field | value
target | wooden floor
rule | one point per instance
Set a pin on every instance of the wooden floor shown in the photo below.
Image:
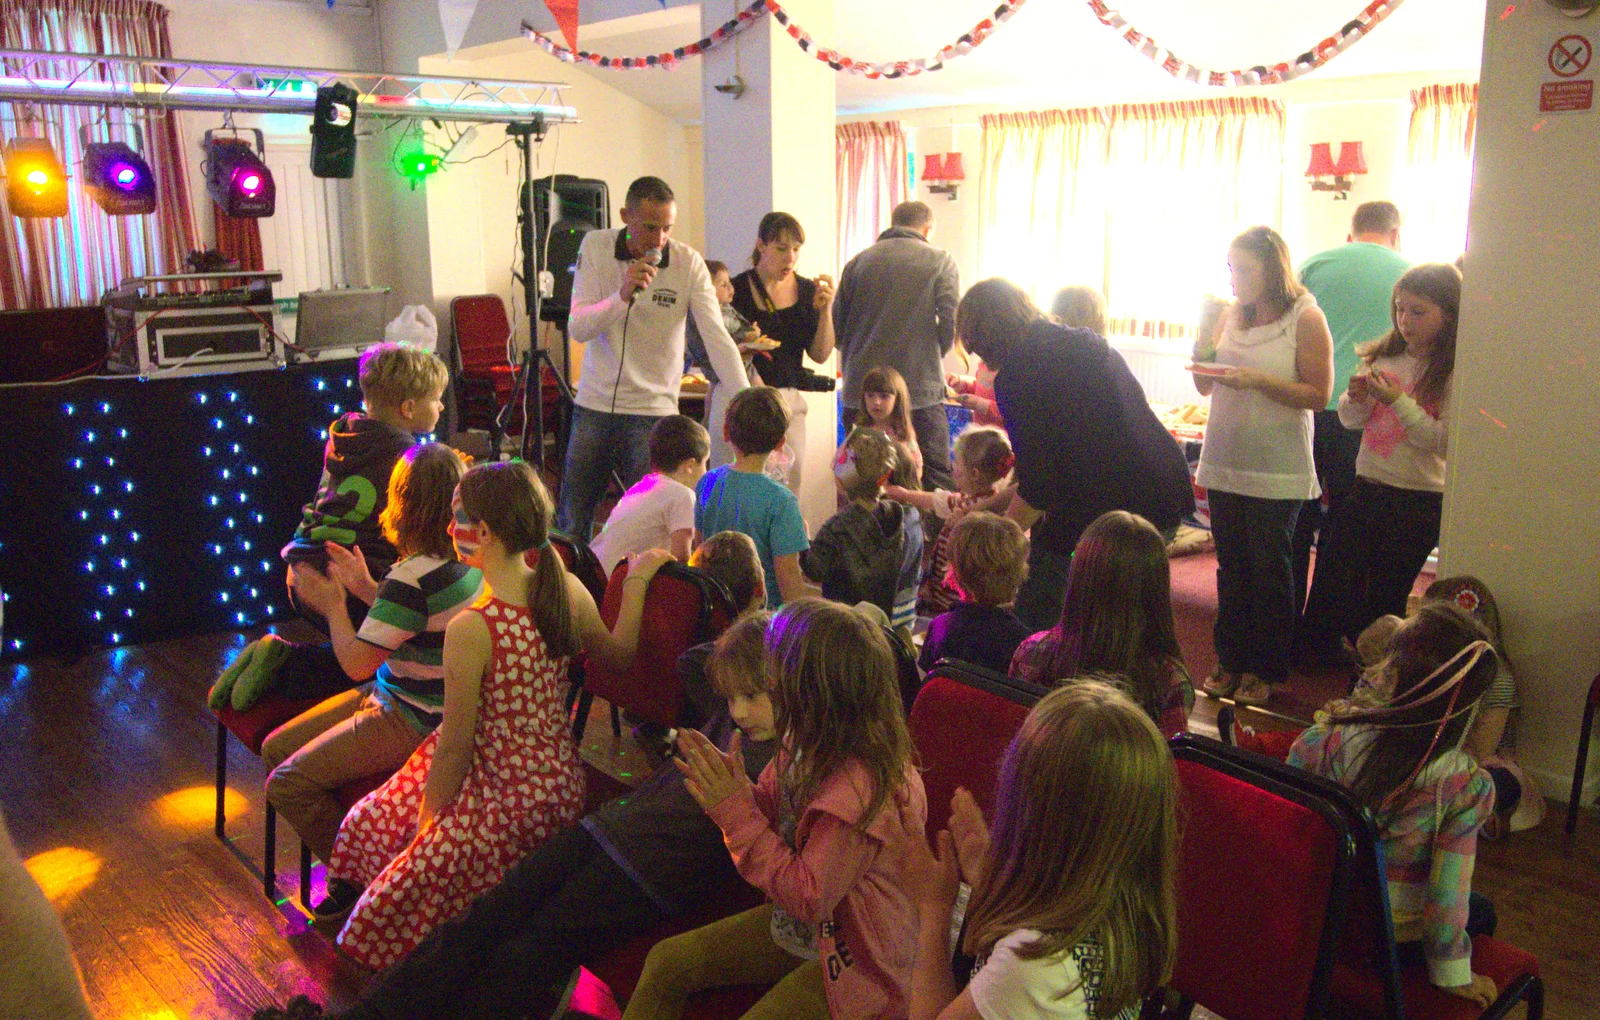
(105, 777)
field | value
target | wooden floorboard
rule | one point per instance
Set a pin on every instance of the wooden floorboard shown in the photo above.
(105, 776)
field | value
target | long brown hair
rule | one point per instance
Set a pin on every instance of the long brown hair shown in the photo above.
(1282, 289)
(992, 315)
(884, 379)
(1084, 841)
(1117, 613)
(1441, 647)
(508, 498)
(773, 226)
(1438, 284)
(835, 698)
(416, 518)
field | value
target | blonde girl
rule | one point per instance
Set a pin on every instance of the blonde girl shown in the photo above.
(1072, 912)
(823, 833)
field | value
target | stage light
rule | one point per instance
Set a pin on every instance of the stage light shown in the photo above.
(36, 182)
(417, 166)
(118, 179)
(333, 132)
(236, 178)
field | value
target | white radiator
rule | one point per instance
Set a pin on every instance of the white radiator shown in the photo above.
(1159, 369)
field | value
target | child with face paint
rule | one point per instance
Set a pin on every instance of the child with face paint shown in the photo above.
(501, 773)
(871, 550)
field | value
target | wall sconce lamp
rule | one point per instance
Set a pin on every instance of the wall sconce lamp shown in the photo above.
(1351, 162)
(943, 173)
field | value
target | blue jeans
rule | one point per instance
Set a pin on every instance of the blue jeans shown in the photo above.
(600, 443)
(1255, 583)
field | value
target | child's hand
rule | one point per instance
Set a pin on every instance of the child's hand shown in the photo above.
(348, 565)
(316, 589)
(1383, 387)
(711, 776)
(932, 881)
(970, 833)
(1481, 991)
(645, 565)
(1241, 379)
(1358, 389)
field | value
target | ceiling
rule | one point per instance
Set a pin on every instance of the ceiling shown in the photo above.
(1055, 52)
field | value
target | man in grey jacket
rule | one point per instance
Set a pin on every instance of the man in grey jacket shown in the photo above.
(896, 306)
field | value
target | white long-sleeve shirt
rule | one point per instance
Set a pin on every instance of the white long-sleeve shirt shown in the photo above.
(1402, 444)
(651, 355)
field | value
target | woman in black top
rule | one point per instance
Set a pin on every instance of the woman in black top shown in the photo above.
(794, 311)
(1083, 434)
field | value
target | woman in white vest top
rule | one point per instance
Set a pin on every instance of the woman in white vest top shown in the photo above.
(1270, 368)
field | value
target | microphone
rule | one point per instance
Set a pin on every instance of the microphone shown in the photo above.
(651, 257)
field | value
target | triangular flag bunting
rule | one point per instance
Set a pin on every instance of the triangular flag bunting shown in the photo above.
(566, 15)
(454, 17)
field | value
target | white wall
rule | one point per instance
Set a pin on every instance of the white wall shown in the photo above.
(471, 207)
(1522, 505)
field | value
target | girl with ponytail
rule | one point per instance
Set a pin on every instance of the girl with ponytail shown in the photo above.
(1398, 746)
(501, 773)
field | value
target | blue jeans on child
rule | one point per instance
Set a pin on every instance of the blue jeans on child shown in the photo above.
(599, 443)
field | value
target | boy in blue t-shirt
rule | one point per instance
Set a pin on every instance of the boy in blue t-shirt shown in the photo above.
(740, 497)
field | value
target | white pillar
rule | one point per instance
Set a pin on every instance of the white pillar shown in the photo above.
(772, 149)
(1522, 507)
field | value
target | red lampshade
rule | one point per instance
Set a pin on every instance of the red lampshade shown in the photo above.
(1351, 159)
(952, 167)
(1321, 160)
(933, 167)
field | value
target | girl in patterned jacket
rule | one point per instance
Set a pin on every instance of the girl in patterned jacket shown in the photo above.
(501, 773)
(1398, 746)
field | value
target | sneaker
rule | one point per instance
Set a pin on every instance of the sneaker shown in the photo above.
(1252, 690)
(1220, 683)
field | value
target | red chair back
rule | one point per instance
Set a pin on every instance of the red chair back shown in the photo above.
(582, 562)
(1265, 866)
(961, 723)
(481, 330)
(682, 608)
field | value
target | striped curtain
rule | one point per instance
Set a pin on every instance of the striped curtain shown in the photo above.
(73, 260)
(1139, 201)
(869, 181)
(1436, 183)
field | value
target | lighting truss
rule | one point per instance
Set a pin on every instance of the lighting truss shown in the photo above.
(91, 79)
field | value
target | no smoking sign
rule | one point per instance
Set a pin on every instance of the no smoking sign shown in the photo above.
(1569, 57)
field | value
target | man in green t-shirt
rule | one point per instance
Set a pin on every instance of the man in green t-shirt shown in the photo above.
(1354, 285)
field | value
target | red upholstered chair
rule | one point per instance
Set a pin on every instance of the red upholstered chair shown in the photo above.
(961, 723)
(484, 377)
(581, 561)
(252, 729)
(1583, 754)
(683, 607)
(1265, 866)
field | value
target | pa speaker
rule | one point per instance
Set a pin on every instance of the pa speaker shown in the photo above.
(565, 208)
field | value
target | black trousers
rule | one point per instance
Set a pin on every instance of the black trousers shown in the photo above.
(1382, 543)
(1254, 632)
(1333, 451)
(562, 903)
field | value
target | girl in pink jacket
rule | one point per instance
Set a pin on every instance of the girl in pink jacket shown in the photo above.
(824, 833)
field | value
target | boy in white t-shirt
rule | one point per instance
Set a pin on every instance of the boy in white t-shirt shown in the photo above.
(658, 512)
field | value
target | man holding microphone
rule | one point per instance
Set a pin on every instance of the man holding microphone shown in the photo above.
(633, 289)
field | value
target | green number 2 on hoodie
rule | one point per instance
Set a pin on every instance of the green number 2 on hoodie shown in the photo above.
(330, 530)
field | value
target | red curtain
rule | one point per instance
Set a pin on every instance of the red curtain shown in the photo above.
(239, 239)
(869, 181)
(47, 263)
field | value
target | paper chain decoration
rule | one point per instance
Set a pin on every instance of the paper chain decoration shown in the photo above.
(1306, 62)
(1164, 58)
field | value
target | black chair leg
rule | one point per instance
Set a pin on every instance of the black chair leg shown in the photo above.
(305, 876)
(616, 722)
(221, 780)
(269, 858)
(1578, 768)
(580, 722)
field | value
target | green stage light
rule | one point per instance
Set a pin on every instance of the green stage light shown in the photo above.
(417, 166)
